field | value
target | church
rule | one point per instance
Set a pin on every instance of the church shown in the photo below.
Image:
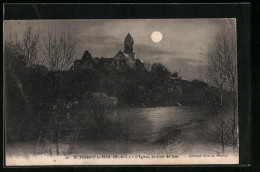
(121, 61)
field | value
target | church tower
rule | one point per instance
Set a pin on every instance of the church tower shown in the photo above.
(129, 46)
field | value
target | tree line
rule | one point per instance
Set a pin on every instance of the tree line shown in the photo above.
(54, 49)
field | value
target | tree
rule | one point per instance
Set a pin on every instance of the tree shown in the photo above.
(30, 44)
(14, 64)
(160, 70)
(13, 52)
(58, 50)
(222, 74)
(231, 75)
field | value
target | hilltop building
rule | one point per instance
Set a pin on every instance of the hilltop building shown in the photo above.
(122, 60)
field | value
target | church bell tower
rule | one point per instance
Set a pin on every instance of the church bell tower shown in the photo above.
(129, 46)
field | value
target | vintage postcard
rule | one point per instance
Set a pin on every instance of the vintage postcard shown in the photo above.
(121, 92)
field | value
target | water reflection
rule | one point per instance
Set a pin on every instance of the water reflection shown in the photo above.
(147, 130)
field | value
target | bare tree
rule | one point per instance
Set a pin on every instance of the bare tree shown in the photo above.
(218, 131)
(222, 73)
(25, 47)
(30, 44)
(231, 75)
(13, 51)
(58, 50)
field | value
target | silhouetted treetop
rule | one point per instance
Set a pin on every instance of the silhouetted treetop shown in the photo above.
(159, 69)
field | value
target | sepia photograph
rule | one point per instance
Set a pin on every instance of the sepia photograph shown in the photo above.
(120, 92)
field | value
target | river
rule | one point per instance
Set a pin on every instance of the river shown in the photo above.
(144, 130)
(154, 130)
(131, 132)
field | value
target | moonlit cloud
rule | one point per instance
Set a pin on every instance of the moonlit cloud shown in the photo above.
(184, 45)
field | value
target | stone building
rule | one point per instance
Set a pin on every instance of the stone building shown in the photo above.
(122, 60)
(85, 63)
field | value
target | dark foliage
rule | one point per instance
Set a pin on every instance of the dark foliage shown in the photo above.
(32, 93)
(36, 86)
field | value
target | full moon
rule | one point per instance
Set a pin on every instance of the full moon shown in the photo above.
(156, 36)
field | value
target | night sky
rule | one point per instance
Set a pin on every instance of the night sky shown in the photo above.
(184, 45)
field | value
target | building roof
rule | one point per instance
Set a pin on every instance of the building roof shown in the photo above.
(127, 55)
(120, 52)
